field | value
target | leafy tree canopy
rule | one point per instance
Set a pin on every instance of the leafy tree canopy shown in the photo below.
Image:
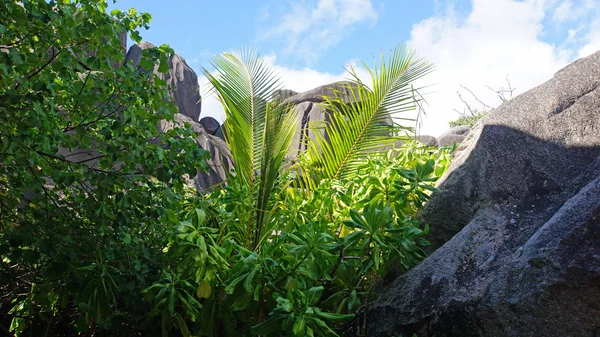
(84, 193)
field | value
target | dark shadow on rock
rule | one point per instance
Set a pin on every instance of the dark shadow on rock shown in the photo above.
(519, 238)
(492, 175)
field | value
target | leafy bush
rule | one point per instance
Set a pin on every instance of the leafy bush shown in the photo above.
(116, 244)
(326, 256)
(468, 119)
(82, 237)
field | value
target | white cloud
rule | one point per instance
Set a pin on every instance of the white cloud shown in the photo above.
(569, 11)
(564, 11)
(299, 80)
(498, 38)
(310, 28)
(592, 39)
(586, 15)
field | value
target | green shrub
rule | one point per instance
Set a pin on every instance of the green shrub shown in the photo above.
(468, 120)
(123, 248)
(79, 242)
(325, 257)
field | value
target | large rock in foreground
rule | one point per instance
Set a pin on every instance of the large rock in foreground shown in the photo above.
(518, 222)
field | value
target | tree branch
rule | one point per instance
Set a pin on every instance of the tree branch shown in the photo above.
(54, 55)
(474, 96)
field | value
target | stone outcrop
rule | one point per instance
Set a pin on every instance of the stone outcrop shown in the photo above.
(450, 140)
(220, 133)
(317, 94)
(307, 104)
(430, 141)
(181, 79)
(210, 124)
(454, 135)
(309, 111)
(516, 225)
(283, 94)
(184, 90)
(462, 130)
(220, 162)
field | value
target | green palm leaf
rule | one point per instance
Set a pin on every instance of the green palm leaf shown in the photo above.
(258, 133)
(280, 128)
(244, 84)
(355, 129)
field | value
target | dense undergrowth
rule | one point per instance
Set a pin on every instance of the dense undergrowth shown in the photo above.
(113, 243)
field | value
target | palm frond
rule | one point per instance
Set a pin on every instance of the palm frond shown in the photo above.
(258, 133)
(244, 84)
(280, 128)
(358, 119)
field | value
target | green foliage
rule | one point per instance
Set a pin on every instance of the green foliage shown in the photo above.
(258, 132)
(112, 243)
(81, 235)
(468, 119)
(326, 255)
(355, 131)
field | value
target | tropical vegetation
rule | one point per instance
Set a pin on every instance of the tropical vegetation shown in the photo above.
(101, 236)
(468, 119)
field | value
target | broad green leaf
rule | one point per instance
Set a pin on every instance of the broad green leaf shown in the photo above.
(269, 326)
(314, 294)
(203, 289)
(299, 326)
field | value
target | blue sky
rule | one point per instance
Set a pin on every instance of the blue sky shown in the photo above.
(473, 43)
(197, 29)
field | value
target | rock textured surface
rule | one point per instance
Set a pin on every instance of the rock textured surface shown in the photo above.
(454, 135)
(516, 224)
(210, 124)
(450, 140)
(181, 79)
(283, 94)
(310, 111)
(462, 130)
(427, 140)
(184, 89)
(221, 161)
(220, 133)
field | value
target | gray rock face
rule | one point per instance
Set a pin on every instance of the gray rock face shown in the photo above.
(310, 111)
(518, 223)
(450, 139)
(316, 95)
(181, 79)
(457, 130)
(210, 124)
(220, 133)
(221, 161)
(283, 94)
(454, 135)
(427, 140)
(183, 85)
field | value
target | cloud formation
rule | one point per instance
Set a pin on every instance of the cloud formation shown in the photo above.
(497, 38)
(308, 28)
(299, 80)
(477, 49)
